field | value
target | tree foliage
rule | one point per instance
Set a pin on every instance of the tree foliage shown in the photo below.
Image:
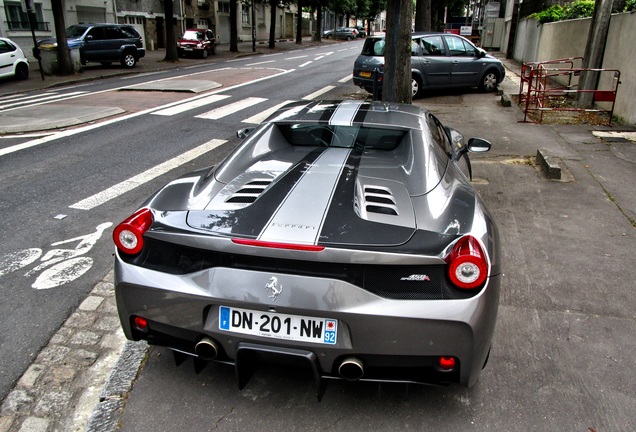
(577, 9)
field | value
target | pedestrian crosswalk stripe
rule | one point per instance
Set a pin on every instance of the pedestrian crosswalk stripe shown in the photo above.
(140, 179)
(177, 109)
(258, 118)
(25, 101)
(315, 94)
(226, 110)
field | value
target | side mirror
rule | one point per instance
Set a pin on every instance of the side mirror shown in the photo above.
(478, 145)
(244, 133)
(89, 38)
(480, 53)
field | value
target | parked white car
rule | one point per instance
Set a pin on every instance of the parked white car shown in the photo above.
(12, 60)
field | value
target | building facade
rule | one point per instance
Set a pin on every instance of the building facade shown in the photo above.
(148, 17)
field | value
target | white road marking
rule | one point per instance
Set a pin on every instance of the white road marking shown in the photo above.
(78, 130)
(142, 75)
(239, 59)
(190, 105)
(319, 57)
(133, 182)
(42, 99)
(272, 55)
(258, 118)
(315, 94)
(345, 79)
(306, 63)
(297, 57)
(260, 63)
(226, 110)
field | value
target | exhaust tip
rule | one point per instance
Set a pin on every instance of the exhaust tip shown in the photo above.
(207, 348)
(351, 369)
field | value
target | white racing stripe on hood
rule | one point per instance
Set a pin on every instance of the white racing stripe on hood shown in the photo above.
(345, 113)
(300, 216)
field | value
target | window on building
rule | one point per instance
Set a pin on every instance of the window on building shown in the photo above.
(18, 20)
(246, 15)
(224, 7)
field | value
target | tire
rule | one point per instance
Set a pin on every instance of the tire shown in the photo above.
(349, 38)
(128, 60)
(489, 81)
(204, 53)
(416, 87)
(22, 71)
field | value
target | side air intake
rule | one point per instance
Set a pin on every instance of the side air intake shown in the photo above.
(379, 200)
(248, 193)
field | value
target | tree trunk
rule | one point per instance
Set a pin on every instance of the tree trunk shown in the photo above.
(397, 53)
(272, 24)
(63, 53)
(299, 23)
(423, 15)
(171, 41)
(318, 32)
(594, 51)
(233, 26)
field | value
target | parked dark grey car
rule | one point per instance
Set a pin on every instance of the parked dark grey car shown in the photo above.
(104, 43)
(438, 60)
(344, 235)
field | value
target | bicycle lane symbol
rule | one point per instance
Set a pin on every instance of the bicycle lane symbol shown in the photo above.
(57, 266)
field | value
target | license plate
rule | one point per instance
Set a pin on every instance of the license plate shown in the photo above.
(365, 74)
(278, 326)
(187, 49)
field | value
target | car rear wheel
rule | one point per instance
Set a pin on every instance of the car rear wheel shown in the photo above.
(204, 53)
(489, 82)
(349, 38)
(128, 60)
(416, 86)
(22, 71)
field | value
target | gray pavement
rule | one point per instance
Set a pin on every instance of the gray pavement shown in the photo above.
(563, 347)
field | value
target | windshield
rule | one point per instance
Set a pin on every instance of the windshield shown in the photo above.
(193, 35)
(75, 31)
(317, 134)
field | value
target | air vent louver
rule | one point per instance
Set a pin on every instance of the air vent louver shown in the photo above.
(248, 193)
(379, 200)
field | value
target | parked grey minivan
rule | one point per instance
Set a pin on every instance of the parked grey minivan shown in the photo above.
(104, 43)
(438, 60)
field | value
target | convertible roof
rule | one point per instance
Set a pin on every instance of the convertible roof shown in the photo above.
(350, 113)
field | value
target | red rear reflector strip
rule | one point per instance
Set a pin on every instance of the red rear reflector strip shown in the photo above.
(274, 245)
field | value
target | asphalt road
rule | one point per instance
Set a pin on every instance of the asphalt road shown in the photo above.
(42, 185)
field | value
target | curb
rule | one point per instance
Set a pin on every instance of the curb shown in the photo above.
(61, 387)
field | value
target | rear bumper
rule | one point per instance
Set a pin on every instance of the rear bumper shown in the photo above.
(396, 340)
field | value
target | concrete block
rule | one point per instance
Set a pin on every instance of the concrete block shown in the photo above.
(505, 100)
(548, 165)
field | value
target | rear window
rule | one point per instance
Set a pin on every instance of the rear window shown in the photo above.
(373, 47)
(75, 31)
(316, 134)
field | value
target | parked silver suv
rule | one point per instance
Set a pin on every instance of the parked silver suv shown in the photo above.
(104, 43)
(438, 60)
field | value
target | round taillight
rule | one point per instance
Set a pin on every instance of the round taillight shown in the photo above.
(447, 363)
(467, 264)
(141, 324)
(128, 235)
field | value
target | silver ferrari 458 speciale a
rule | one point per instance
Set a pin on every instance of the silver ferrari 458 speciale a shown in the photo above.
(342, 234)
